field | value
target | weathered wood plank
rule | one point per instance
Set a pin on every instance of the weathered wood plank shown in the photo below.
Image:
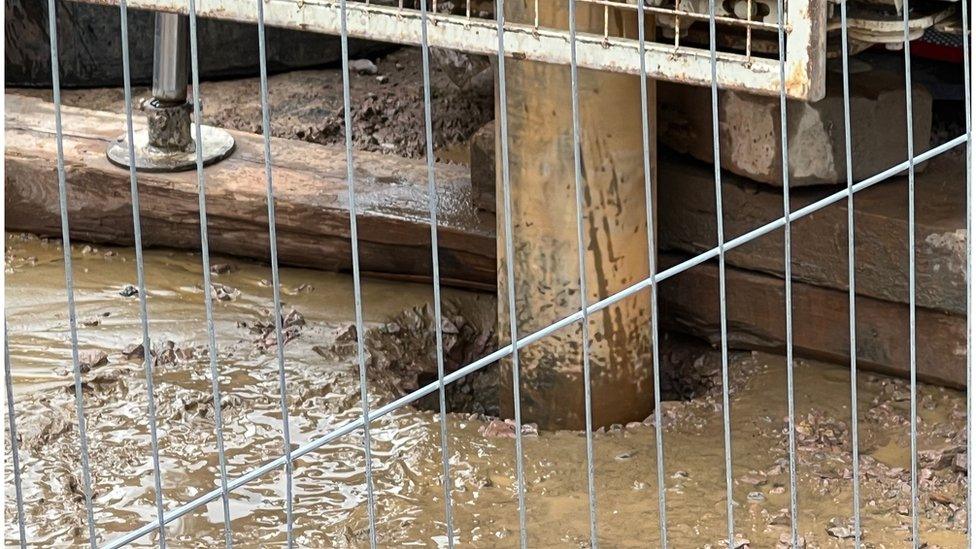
(310, 186)
(757, 321)
(687, 223)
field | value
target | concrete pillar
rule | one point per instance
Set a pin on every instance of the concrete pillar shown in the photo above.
(543, 209)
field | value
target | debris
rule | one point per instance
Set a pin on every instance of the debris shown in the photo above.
(220, 268)
(941, 458)
(840, 528)
(625, 456)
(752, 479)
(223, 292)
(128, 291)
(90, 358)
(134, 351)
(498, 428)
(841, 532)
(267, 336)
(960, 463)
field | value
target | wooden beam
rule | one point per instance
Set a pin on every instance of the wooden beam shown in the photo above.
(687, 221)
(757, 321)
(310, 190)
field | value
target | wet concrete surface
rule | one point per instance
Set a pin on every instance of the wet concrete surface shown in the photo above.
(324, 393)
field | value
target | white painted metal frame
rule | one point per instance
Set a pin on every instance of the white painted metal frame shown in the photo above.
(805, 39)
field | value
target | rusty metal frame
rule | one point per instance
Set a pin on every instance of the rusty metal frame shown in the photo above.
(805, 43)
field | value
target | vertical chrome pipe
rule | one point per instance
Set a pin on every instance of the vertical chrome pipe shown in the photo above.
(170, 73)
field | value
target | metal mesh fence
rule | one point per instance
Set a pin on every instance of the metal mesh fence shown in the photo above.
(718, 75)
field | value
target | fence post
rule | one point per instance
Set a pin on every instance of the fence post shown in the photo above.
(544, 219)
(167, 144)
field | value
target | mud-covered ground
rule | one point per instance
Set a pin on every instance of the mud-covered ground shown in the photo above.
(386, 100)
(324, 393)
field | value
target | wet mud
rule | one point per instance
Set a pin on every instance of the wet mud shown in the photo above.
(323, 393)
(386, 100)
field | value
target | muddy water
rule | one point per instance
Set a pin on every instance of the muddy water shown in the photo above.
(323, 393)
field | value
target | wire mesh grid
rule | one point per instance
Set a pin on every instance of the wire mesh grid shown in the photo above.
(290, 453)
(746, 51)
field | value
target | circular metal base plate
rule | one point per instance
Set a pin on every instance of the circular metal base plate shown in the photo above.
(217, 145)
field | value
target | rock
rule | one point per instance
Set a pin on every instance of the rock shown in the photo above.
(363, 66)
(90, 358)
(220, 268)
(752, 480)
(960, 463)
(498, 428)
(625, 456)
(749, 136)
(469, 72)
(128, 291)
(91, 322)
(841, 532)
(224, 293)
(37, 431)
(293, 319)
(291, 327)
(840, 528)
(941, 458)
(134, 351)
(739, 542)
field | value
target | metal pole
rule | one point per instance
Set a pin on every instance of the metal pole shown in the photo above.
(167, 144)
(170, 73)
(167, 112)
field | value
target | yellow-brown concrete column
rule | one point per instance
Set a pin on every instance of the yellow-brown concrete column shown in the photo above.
(546, 266)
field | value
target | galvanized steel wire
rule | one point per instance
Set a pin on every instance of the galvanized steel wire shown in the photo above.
(207, 286)
(649, 203)
(525, 341)
(970, 268)
(356, 279)
(851, 296)
(913, 367)
(14, 442)
(147, 357)
(510, 269)
(69, 274)
(784, 151)
(723, 304)
(436, 274)
(584, 296)
(276, 281)
(511, 350)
